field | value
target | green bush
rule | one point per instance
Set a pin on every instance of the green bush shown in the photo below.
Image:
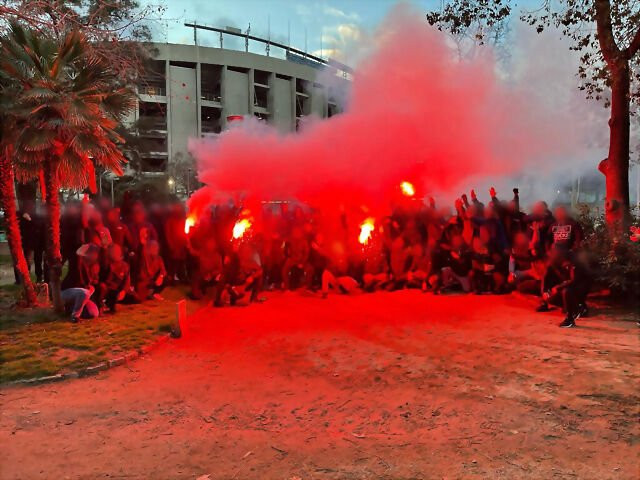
(615, 262)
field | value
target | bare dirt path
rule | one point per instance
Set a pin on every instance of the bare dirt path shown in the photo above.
(392, 386)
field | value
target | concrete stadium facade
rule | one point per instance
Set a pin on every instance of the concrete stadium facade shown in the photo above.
(192, 90)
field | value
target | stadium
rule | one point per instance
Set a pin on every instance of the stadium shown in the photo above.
(193, 91)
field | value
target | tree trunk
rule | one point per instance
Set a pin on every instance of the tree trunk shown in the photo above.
(8, 205)
(54, 257)
(616, 166)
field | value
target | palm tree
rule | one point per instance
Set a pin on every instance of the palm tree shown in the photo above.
(8, 192)
(8, 206)
(68, 104)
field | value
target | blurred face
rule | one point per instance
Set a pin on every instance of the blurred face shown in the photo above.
(539, 209)
(444, 212)
(138, 215)
(71, 209)
(96, 218)
(154, 248)
(104, 203)
(92, 256)
(478, 244)
(490, 211)
(561, 214)
(472, 210)
(457, 242)
(521, 240)
(114, 215)
(115, 252)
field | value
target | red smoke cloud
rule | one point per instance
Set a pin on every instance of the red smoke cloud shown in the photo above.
(416, 113)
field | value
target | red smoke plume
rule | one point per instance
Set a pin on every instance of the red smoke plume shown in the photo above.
(417, 113)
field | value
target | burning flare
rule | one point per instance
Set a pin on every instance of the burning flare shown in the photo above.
(241, 227)
(407, 189)
(366, 228)
(189, 222)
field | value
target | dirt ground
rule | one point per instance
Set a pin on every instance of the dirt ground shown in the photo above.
(392, 386)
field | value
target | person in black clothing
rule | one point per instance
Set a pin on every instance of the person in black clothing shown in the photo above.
(242, 273)
(141, 231)
(566, 283)
(565, 232)
(175, 238)
(477, 203)
(297, 250)
(510, 216)
(120, 234)
(71, 236)
(485, 274)
(538, 224)
(207, 268)
(457, 269)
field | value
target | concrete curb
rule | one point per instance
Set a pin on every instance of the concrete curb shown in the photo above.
(93, 370)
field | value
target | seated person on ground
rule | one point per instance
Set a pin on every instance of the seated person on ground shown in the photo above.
(336, 276)
(151, 273)
(457, 269)
(116, 281)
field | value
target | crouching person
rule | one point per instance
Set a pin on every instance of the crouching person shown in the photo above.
(152, 273)
(242, 275)
(79, 286)
(336, 276)
(77, 302)
(567, 284)
(116, 282)
(375, 268)
(207, 269)
(457, 271)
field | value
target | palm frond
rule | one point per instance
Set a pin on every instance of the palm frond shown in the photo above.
(34, 139)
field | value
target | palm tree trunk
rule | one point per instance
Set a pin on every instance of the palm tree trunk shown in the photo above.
(54, 257)
(8, 205)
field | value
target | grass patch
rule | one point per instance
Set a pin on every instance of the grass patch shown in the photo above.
(36, 342)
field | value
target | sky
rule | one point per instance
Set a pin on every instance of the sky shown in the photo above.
(321, 25)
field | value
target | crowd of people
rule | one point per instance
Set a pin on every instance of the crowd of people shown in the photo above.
(128, 254)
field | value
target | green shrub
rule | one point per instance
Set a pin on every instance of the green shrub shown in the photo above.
(615, 262)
